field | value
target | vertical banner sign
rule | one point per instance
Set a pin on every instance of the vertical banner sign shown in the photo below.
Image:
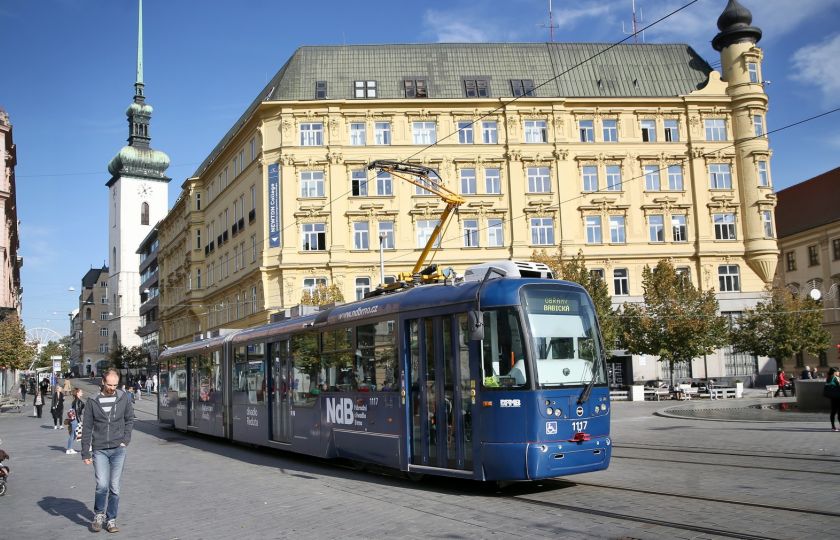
(274, 205)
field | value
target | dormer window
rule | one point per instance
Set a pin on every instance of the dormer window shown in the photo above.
(364, 89)
(476, 88)
(522, 87)
(320, 89)
(415, 88)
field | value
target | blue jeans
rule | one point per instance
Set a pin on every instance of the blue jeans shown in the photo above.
(108, 467)
(72, 438)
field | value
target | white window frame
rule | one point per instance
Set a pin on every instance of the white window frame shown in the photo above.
(621, 282)
(424, 229)
(385, 232)
(763, 173)
(589, 178)
(495, 232)
(470, 236)
(675, 178)
(424, 132)
(610, 130)
(362, 287)
(310, 232)
(752, 71)
(594, 234)
(311, 134)
(720, 176)
(715, 129)
(672, 130)
(358, 183)
(613, 173)
(618, 230)
(490, 132)
(653, 180)
(725, 226)
(648, 127)
(586, 130)
(729, 278)
(536, 131)
(311, 184)
(358, 134)
(767, 223)
(542, 231)
(361, 235)
(758, 125)
(469, 184)
(309, 284)
(465, 132)
(382, 133)
(679, 227)
(656, 228)
(539, 179)
(384, 184)
(493, 181)
(364, 89)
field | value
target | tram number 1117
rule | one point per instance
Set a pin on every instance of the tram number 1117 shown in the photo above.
(579, 425)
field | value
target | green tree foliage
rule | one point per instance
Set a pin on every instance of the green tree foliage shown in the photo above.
(782, 326)
(322, 295)
(575, 270)
(55, 348)
(128, 357)
(15, 352)
(677, 322)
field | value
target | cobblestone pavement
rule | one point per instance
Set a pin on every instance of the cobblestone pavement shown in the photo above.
(741, 478)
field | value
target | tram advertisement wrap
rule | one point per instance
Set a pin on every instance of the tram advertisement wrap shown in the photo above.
(349, 411)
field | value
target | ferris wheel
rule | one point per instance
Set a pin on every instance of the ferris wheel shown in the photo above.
(41, 336)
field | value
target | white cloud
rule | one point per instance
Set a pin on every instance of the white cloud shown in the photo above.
(450, 27)
(572, 17)
(813, 65)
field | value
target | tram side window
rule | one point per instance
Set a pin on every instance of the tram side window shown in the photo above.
(337, 374)
(503, 352)
(178, 378)
(376, 359)
(306, 361)
(248, 374)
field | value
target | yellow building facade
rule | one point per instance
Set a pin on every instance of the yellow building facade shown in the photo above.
(640, 154)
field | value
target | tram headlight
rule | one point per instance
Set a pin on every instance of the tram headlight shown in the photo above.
(558, 412)
(549, 411)
(604, 407)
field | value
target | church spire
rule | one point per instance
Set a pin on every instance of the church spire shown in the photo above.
(138, 84)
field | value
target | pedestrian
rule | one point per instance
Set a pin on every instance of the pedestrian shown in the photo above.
(38, 401)
(67, 388)
(45, 386)
(75, 415)
(833, 380)
(149, 384)
(23, 391)
(138, 390)
(781, 380)
(57, 407)
(806, 373)
(106, 432)
(154, 383)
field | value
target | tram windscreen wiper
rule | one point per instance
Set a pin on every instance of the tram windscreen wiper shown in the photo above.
(596, 366)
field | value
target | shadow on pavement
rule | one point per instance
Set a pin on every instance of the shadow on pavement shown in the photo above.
(74, 510)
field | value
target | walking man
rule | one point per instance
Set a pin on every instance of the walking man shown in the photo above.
(106, 432)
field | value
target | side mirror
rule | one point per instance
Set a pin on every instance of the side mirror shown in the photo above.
(476, 324)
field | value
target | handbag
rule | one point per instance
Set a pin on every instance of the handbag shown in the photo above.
(79, 432)
(831, 391)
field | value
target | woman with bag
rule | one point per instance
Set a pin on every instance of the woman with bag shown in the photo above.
(832, 392)
(38, 402)
(57, 407)
(74, 416)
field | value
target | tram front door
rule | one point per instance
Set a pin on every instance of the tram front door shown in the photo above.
(281, 395)
(440, 384)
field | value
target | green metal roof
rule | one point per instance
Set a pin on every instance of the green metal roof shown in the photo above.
(636, 70)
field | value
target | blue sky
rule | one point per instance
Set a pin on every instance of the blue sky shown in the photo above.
(69, 65)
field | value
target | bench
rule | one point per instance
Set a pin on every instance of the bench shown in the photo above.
(772, 389)
(721, 392)
(656, 393)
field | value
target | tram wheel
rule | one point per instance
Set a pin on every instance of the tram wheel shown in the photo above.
(415, 477)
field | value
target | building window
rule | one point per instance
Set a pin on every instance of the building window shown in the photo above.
(476, 88)
(613, 178)
(652, 181)
(610, 129)
(361, 235)
(253, 148)
(539, 180)
(470, 233)
(763, 174)
(415, 88)
(465, 132)
(495, 233)
(198, 278)
(724, 226)
(312, 134)
(536, 131)
(617, 230)
(144, 213)
(320, 89)
(468, 183)
(382, 133)
(359, 183)
(103, 348)
(835, 249)
(362, 287)
(357, 134)
(790, 260)
(364, 89)
(424, 132)
(813, 256)
(678, 228)
(489, 132)
(648, 130)
(597, 273)
(675, 177)
(542, 231)
(88, 314)
(384, 184)
(656, 228)
(253, 248)
(386, 234)
(311, 184)
(589, 173)
(758, 125)
(586, 128)
(103, 332)
(198, 239)
(672, 131)
(767, 221)
(752, 69)
(310, 284)
(492, 181)
(715, 129)
(522, 87)
(198, 202)
(314, 236)
(621, 282)
(729, 278)
(720, 176)
(425, 228)
(593, 229)
(103, 316)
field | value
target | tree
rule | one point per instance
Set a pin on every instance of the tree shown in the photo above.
(55, 348)
(128, 357)
(15, 352)
(575, 270)
(781, 326)
(677, 322)
(322, 295)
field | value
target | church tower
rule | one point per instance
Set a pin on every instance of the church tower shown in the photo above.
(741, 66)
(138, 196)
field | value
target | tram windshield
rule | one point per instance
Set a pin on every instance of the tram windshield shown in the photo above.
(564, 334)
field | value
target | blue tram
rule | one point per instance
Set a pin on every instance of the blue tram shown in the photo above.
(495, 378)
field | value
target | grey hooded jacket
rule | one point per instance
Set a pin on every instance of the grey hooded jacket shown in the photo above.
(102, 430)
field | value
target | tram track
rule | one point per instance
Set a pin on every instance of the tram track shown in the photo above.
(728, 452)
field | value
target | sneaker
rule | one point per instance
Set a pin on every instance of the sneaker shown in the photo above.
(96, 524)
(71, 451)
(835, 429)
(111, 526)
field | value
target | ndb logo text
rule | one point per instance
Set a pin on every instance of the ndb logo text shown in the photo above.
(340, 411)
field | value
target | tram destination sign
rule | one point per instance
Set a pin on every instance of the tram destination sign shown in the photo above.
(545, 301)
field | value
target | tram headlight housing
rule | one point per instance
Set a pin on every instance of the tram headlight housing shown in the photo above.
(558, 412)
(604, 407)
(549, 411)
